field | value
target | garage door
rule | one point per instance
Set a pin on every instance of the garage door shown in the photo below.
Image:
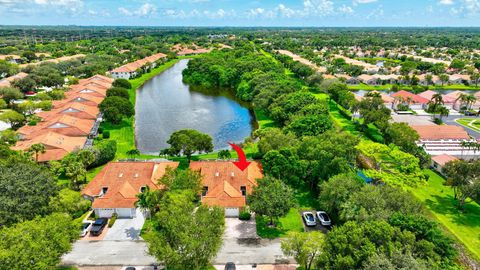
(232, 212)
(125, 212)
(104, 212)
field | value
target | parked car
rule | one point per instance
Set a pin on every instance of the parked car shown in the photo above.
(130, 268)
(230, 266)
(309, 219)
(86, 226)
(98, 226)
(324, 218)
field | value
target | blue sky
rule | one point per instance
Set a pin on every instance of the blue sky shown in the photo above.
(242, 12)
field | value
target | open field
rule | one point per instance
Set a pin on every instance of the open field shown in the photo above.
(439, 200)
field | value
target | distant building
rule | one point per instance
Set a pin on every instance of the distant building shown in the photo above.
(130, 70)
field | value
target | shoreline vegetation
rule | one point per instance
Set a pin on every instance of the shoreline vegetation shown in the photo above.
(124, 133)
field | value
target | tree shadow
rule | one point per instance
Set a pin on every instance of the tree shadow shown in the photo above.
(133, 233)
(446, 205)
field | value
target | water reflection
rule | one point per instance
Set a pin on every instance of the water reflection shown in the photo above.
(165, 104)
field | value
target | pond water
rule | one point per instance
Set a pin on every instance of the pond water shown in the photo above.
(165, 104)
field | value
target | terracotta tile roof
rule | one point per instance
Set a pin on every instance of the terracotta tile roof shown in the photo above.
(414, 98)
(454, 94)
(57, 145)
(441, 132)
(87, 99)
(94, 90)
(62, 124)
(6, 82)
(56, 60)
(124, 181)
(74, 109)
(98, 78)
(427, 94)
(443, 159)
(224, 181)
(133, 66)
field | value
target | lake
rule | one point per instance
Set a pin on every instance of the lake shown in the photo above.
(165, 104)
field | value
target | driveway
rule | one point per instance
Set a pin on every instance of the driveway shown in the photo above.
(242, 246)
(91, 253)
(125, 229)
(119, 245)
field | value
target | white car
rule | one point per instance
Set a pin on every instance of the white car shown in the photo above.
(324, 218)
(86, 226)
(309, 219)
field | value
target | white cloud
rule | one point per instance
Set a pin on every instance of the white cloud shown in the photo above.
(145, 10)
(285, 11)
(359, 2)
(218, 14)
(345, 9)
(466, 8)
(446, 2)
(318, 7)
(377, 13)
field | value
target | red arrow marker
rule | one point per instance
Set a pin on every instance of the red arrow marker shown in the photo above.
(242, 162)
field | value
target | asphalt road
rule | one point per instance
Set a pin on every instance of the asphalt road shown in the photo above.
(242, 246)
(108, 253)
(450, 120)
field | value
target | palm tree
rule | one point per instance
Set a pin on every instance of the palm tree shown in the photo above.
(443, 112)
(475, 76)
(471, 99)
(429, 79)
(436, 101)
(463, 100)
(143, 200)
(133, 153)
(464, 144)
(37, 148)
(444, 78)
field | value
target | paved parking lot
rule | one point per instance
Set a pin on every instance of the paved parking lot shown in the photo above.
(242, 246)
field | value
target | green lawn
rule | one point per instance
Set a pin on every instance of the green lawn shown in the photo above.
(263, 120)
(470, 123)
(292, 222)
(440, 202)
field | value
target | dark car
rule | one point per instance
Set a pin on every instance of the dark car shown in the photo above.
(230, 266)
(98, 226)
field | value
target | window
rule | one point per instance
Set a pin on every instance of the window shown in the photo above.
(204, 191)
(244, 190)
(142, 189)
(104, 191)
